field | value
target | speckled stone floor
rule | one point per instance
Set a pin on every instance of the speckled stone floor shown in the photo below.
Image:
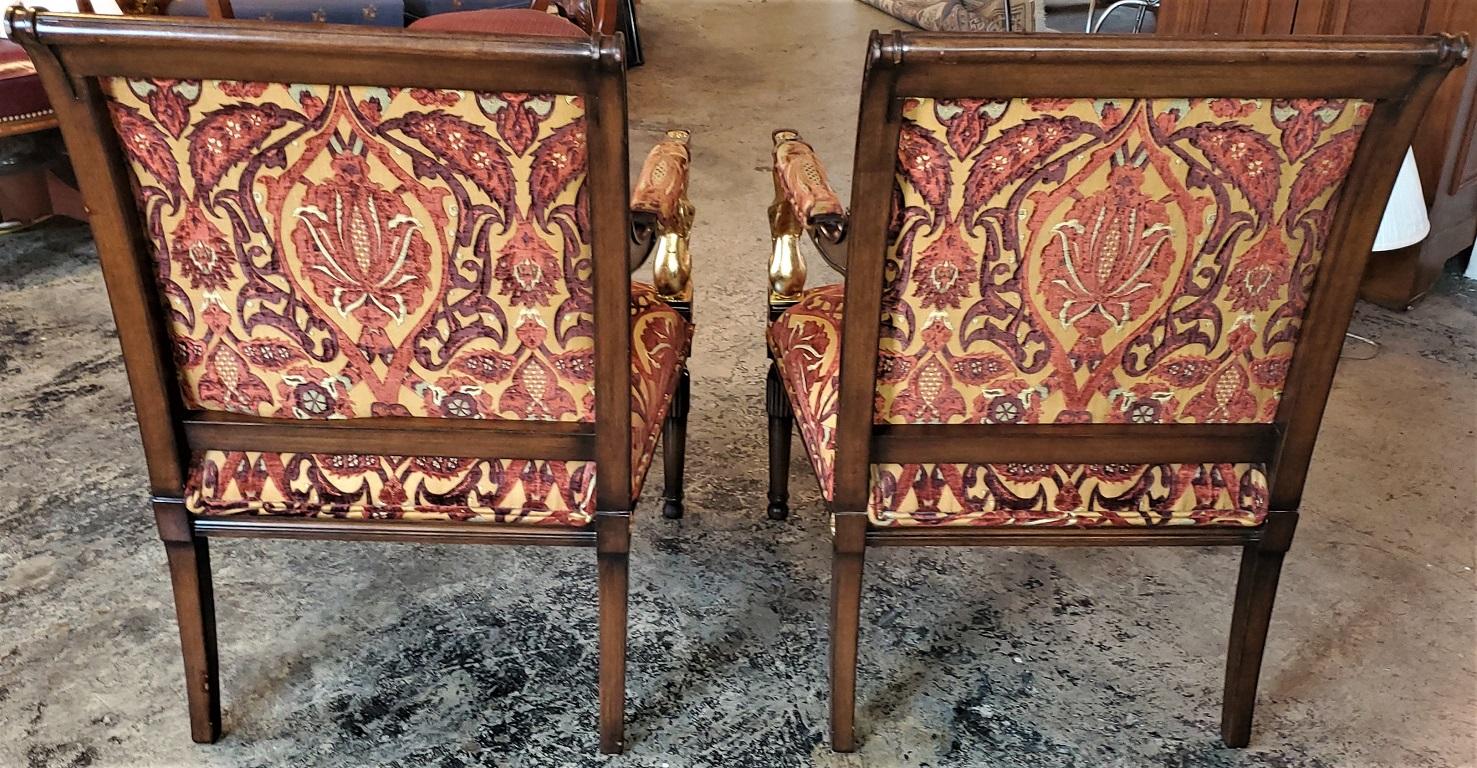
(357, 655)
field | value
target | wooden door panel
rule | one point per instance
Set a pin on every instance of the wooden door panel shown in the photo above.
(1467, 178)
(1448, 163)
(1227, 17)
(1361, 17)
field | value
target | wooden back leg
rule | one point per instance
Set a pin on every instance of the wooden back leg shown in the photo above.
(848, 556)
(1256, 589)
(612, 551)
(194, 606)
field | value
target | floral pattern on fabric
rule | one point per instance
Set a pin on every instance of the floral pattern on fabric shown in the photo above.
(1113, 261)
(806, 341)
(337, 251)
(559, 493)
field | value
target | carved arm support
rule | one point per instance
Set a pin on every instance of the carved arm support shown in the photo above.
(804, 202)
(661, 217)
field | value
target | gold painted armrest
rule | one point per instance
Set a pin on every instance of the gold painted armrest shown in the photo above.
(803, 202)
(661, 216)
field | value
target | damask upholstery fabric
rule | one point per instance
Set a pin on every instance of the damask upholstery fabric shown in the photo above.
(804, 180)
(348, 252)
(806, 341)
(351, 252)
(558, 493)
(1111, 261)
(1072, 261)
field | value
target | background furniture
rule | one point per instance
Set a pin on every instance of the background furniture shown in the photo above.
(35, 179)
(596, 17)
(1081, 306)
(1142, 7)
(398, 312)
(1444, 146)
(967, 15)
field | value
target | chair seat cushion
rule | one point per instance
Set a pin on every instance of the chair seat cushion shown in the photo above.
(419, 9)
(806, 341)
(501, 22)
(21, 94)
(493, 490)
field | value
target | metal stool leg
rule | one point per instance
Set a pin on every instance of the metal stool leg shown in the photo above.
(1149, 5)
(1115, 6)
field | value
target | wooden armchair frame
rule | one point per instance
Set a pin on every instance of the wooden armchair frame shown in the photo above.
(1398, 74)
(73, 51)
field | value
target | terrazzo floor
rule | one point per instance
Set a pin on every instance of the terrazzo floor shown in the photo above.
(393, 655)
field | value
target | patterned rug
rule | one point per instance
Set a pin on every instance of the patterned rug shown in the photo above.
(966, 15)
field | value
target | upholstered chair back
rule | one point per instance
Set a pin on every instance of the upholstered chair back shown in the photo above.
(1105, 261)
(345, 251)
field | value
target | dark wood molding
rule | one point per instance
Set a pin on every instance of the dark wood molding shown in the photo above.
(1073, 443)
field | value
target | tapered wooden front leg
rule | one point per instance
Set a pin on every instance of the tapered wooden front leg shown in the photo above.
(1256, 590)
(781, 425)
(194, 605)
(849, 548)
(674, 448)
(613, 549)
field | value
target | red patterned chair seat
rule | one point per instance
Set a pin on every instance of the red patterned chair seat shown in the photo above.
(806, 344)
(533, 492)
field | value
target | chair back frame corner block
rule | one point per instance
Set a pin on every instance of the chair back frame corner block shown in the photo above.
(73, 53)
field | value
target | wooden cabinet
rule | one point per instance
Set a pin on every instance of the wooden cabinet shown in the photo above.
(1444, 147)
(1227, 17)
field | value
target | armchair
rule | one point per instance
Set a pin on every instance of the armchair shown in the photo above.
(1083, 306)
(390, 312)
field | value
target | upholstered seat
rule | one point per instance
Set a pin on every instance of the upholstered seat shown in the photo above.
(500, 21)
(21, 94)
(420, 9)
(559, 493)
(806, 345)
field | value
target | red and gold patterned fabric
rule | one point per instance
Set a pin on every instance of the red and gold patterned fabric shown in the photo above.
(806, 341)
(560, 493)
(354, 251)
(1079, 261)
(1105, 261)
(804, 178)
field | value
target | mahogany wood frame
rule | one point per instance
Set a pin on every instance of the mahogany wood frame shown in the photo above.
(1398, 74)
(72, 51)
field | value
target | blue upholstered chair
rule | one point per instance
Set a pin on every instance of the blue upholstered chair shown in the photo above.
(377, 13)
